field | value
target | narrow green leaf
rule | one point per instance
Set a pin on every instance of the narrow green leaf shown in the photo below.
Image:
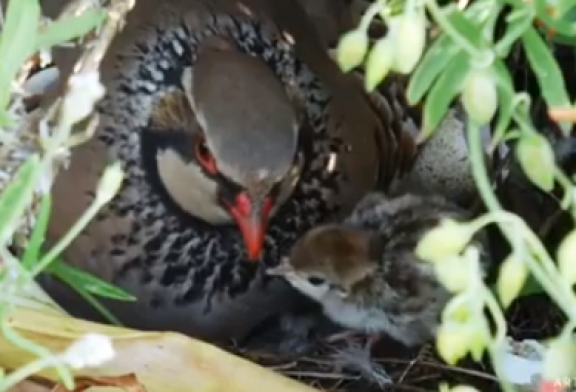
(517, 23)
(434, 61)
(563, 40)
(444, 90)
(547, 71)
(503, 77)
(16, 43)
(16, 197)
(566, 9)
(32, 252)
(108, 315)
(516, 3)
(88, 283)
(562, 26)
(72, 27)
(467, 29)
(479, 11)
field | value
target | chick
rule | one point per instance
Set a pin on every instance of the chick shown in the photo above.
(365, 273)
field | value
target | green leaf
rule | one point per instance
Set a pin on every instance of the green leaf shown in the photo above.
(16, 197)
(443, 92)
(434, 61)
(562, 26)
(518, 22)
(97, 305)
(16, 44)
(32, 252)
(536, 157)
(516, 3)
(467, 30)
(88, 283)
(563, 40)
(566, 9)
(547, 71)
(69, 275)
(503, 77)
(72, 27)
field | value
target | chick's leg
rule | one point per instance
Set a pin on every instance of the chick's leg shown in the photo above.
(372, 340)
(359, 358)
(346, 336)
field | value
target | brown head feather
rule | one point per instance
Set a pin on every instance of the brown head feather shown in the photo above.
(343, 255)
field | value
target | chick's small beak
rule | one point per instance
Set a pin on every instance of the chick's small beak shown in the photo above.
(252, 218)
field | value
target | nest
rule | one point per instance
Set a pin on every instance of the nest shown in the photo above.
(532, 317)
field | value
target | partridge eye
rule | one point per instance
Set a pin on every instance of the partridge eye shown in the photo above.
(315, 281)
(204, 156)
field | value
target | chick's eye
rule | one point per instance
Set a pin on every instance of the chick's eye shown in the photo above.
(204, 156)
(315, 281)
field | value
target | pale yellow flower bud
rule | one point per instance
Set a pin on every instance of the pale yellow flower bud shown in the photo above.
(513, 275)
(410, 34)
(480, 97)
(351, 49)
(446, 240)
(379, 62)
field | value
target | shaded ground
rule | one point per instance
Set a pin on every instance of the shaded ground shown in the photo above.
(533, 317)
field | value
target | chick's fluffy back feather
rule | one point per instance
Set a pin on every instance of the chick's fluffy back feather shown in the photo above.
(397, 225)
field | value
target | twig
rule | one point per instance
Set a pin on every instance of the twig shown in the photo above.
(411, 364)
(455, 369)
(319, 375)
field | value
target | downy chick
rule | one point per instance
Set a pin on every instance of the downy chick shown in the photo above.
(365, 273)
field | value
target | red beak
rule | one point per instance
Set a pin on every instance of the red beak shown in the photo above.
(252, 219)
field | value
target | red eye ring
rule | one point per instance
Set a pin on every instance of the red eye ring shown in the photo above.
(204, 156)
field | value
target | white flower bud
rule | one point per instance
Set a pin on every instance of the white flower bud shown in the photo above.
(84, 91)
(90, 350)
(109, 183)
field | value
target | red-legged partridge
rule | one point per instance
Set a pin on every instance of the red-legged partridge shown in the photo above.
(237, 134)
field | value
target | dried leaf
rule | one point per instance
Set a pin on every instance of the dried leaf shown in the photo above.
(162, 362)
(127, 382)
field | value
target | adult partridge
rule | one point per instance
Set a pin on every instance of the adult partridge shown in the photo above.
(237, 134)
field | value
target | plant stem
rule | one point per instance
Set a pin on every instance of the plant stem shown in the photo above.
(447, 27)
(39, 351)
(80, 224)
(496, 346)
(478, 168)
(26, 371)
